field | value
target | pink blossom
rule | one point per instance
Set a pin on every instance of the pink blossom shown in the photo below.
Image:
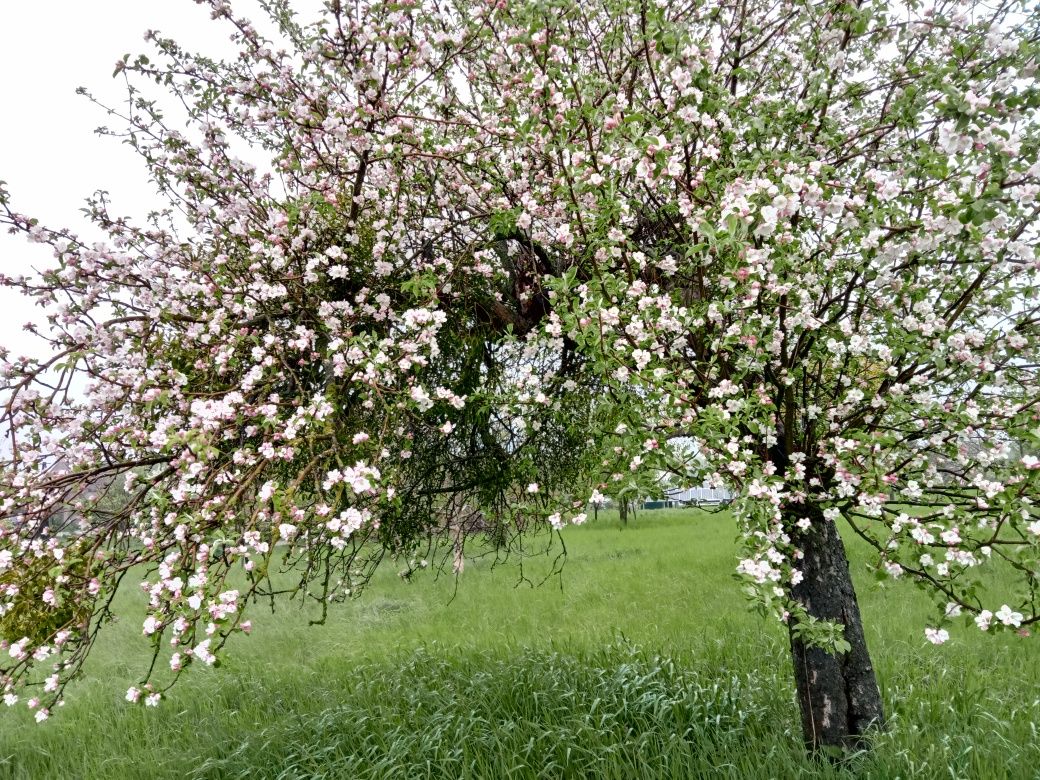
(936, 636)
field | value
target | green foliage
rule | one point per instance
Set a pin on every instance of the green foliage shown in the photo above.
(30, 616)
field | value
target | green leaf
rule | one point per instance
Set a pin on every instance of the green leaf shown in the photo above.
(503, 223)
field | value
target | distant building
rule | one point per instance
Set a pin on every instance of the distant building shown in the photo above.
(698, 496)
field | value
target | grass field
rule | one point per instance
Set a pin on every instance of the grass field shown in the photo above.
(645, 663)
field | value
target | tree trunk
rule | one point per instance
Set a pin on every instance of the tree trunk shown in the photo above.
(838, 694)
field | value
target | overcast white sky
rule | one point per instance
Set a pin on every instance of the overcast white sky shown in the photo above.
(49, 155)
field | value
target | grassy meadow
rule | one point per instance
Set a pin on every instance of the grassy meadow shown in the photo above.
(641, 661)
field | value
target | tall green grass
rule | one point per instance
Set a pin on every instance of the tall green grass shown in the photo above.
(641, 661)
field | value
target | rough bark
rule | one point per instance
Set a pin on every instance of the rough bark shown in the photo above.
(838, 694)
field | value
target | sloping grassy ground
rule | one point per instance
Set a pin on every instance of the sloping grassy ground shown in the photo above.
(646, 663)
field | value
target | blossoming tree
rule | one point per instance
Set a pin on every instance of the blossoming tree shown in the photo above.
(489, 257)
